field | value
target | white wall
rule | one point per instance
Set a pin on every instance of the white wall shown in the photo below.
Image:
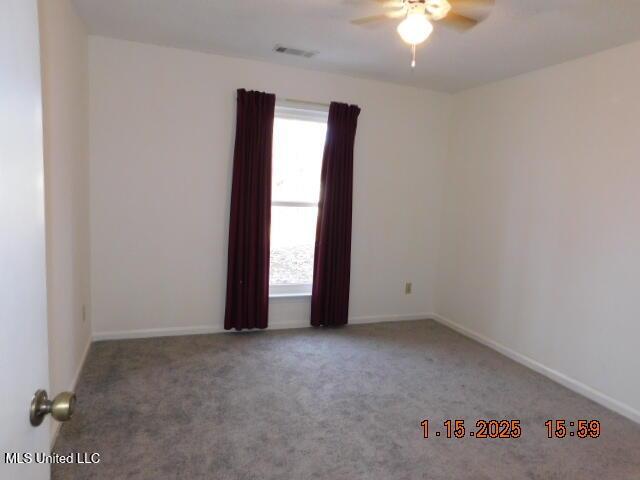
(541, 229)
(162, 130)
(65, 82)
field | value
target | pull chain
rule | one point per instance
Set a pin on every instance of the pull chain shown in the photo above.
(413, 61)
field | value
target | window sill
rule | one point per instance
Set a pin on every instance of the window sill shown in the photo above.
(288, 296)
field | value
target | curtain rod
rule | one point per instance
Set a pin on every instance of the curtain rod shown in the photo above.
(306, 102)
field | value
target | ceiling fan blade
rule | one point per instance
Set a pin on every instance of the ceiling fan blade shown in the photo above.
(378, 18)
(372, 19)
(397, 13)
(478, 10)
(458, 22)
(391, 3)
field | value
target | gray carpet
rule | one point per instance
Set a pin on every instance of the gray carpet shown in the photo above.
(328, 404)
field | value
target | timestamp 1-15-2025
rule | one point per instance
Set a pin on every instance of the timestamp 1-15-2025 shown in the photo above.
(510, 429)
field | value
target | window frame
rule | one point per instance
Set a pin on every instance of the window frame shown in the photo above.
(308, 113)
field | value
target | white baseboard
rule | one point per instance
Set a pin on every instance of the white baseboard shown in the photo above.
(205, 330)
(156, 332)
(389, 318)
(72, 388)
(556, 376)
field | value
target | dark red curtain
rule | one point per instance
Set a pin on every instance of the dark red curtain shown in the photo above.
(250, 224)
(332, 261)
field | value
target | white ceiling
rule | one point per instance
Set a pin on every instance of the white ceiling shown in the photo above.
(519, 36)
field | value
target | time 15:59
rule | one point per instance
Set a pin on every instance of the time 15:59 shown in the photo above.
(563, 428)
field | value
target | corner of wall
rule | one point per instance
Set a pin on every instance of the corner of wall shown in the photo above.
(64, 63)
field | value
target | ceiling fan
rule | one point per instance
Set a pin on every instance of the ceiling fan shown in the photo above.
(461, 15)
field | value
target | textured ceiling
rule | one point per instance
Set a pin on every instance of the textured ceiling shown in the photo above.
(519, 36)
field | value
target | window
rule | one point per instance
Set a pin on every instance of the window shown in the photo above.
(298, 146)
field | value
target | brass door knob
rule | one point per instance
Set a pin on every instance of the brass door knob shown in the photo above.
(61, 407)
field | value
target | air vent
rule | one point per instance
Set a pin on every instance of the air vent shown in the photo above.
(297, 52)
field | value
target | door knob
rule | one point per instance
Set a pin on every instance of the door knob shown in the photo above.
(61, 407)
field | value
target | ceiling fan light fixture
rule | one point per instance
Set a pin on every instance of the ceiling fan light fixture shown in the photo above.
(438, 9)
(415, 29)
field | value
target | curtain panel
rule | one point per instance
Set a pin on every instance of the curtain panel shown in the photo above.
(247, 300)
(332, 261)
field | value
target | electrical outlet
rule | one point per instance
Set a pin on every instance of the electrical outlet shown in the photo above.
(408, 287)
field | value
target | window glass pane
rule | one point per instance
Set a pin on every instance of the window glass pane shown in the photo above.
(293, 236)
(298, 147)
